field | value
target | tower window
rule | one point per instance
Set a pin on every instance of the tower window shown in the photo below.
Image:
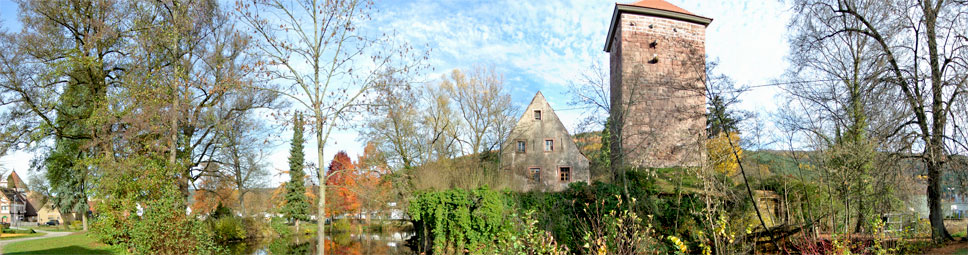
(549, 145)
(522, 146)
(565, 173)
(534, 174)
(537, 114)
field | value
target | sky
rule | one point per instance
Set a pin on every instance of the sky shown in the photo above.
(543, 46)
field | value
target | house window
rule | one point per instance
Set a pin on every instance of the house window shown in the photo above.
(565, 173)
(537, 114)
(4, 208)
(535, 174)
(521, 146)
(549, 145)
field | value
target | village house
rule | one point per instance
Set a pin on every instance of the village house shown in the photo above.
(540, 153)
(14, 205)
(49, 212)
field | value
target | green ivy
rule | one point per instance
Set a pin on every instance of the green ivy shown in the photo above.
(452, 221)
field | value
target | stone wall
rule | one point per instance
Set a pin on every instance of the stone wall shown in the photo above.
(658, 96)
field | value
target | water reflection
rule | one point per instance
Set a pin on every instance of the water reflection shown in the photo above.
(337, 244)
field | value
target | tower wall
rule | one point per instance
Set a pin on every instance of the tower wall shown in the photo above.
(657, 90)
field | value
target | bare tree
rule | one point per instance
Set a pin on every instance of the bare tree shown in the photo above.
(241, 157)
(483, 106)
(923, 45)
(325, 60)
(591, 93)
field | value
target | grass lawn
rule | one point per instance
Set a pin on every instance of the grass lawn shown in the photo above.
(78, 243)
(15, 236)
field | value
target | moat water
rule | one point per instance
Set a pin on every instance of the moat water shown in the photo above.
(337, 244)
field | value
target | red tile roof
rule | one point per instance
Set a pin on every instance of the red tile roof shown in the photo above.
(659, 5)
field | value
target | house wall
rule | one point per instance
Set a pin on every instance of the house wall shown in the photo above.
(533, 133)
(658, 107)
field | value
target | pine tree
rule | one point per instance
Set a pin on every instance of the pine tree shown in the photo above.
(297, 205)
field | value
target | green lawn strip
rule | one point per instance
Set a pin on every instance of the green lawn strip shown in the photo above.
(78, 243)
(961, 252)
(54, 229)
(22, 236)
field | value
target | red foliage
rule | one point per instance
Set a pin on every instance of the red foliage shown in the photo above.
(341, 183)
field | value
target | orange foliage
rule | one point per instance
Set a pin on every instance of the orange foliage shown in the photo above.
(354, 187)
(212, 192)
(371, 184)
(341, 182)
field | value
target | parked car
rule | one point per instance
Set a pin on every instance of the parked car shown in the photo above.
(52, 223)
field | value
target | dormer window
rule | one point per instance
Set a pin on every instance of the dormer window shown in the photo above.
(537, 114)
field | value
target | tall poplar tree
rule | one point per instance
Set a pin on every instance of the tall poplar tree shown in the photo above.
(297, 205)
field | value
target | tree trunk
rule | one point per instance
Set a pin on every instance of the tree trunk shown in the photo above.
(321, 173)
(935, 144)
(938, 231)
(84, 219)
(297, 228)
(242, 203)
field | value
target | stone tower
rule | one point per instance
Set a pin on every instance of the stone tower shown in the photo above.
(657, 61)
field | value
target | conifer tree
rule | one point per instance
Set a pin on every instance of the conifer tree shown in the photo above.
(297, 205)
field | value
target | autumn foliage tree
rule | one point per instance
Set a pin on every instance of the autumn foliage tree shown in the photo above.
(211, 193)
(720, 153)
(372, 182)
(342, 180)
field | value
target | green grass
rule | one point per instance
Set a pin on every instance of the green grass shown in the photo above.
(23, 236)
(79, 243)
(959, 234)
(961, 252)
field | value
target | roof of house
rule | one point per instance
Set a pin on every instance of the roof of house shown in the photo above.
(13, 181)
(655, 8)
(659, 5)
(541, 102)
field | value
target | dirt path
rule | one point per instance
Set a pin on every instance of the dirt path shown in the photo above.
(48, 235)
(953, 248)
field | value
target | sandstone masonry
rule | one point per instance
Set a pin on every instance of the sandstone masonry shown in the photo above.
(657, 62)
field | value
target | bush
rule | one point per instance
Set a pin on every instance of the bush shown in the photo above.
(18, 231)
(526, 238)
(227, 229)
(341, 225)
(163, 227)
(257, 228)
(77, 225)
(458, 219)
(583, 218)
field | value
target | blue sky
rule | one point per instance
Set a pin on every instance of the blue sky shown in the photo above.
(544, 45)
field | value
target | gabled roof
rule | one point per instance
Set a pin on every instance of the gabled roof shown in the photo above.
(14, 181)
(655, 8)
(539, 102)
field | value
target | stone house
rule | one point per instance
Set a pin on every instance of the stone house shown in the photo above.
(540, 153)
(657, 78)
